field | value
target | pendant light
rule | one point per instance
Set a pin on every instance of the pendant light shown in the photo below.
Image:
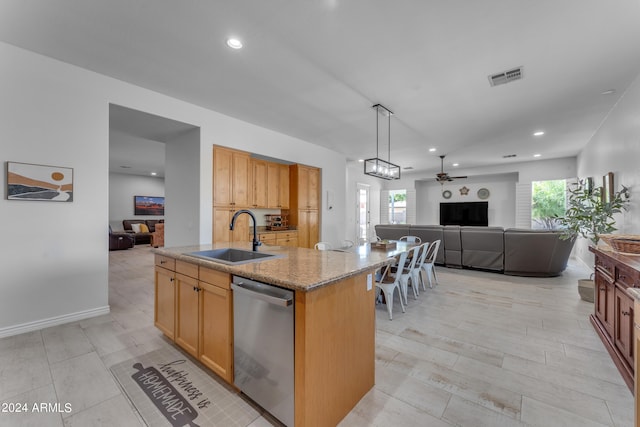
(378, 167)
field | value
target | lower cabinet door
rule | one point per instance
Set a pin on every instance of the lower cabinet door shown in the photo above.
(216, 335)
(624, 324)
(165, 303)
(187, 313)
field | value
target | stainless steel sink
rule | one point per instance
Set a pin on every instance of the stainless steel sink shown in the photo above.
(233, 256)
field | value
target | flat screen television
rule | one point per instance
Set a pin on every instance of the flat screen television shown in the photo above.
(464, 213)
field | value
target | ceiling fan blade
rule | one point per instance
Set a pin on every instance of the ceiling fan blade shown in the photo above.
(458, 177)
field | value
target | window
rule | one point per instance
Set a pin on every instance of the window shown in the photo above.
(398, 206)
(547, 203)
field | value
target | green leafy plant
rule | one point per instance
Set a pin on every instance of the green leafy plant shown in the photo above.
(548, 203)
(588, 214)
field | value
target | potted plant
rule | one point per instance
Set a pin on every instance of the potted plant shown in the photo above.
(589, 214)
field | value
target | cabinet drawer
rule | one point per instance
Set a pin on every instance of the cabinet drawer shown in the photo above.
(627, 276)
(215, 277)
(287, 235)
(187, 269)
(267, 238)
(605, 265)
(166, 262)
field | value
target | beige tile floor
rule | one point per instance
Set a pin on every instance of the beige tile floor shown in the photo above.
(480, 349)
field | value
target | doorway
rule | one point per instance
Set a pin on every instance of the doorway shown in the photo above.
(363, 213)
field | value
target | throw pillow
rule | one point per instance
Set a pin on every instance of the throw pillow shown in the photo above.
(135, 227)
(144, 228)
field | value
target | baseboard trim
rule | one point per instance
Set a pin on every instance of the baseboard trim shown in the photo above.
(53, 321)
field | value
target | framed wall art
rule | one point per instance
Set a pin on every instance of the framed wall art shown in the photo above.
(607, 187)
(26, 181)
(148, 205)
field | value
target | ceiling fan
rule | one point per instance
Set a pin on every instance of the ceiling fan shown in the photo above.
(442, 176)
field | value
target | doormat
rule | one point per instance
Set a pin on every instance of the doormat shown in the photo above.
(168, 389)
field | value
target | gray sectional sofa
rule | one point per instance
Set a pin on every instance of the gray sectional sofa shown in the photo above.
(519, 252)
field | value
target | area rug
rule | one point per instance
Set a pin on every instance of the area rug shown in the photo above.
(168, 389)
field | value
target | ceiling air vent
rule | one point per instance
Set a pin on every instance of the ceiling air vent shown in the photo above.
(506, 77)
(508, 156)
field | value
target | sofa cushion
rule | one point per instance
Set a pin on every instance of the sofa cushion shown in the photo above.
(452, 246)
(482, 247)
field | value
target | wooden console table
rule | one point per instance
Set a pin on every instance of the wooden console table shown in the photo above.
(615, 275)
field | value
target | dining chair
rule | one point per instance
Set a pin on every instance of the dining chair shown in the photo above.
(429, 263)
(404, 270)
(346, 244)
(416, 273)
(323, 246)
(410, 239)
(388, 284)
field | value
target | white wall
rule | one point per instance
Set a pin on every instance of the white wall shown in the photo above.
(615, 147)
(55, 255)
(182, 185)
(122, 188)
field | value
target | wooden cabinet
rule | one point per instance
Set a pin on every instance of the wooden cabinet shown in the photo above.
(289, 238)
(305, 203)
(267, 238)
(604, 301)
(260, 183)
(277, 186)
(165, 296)
(305, 187)
(308, 228)
(623, 330)
(194, 308)
(231, 178)
(636, 365)
(216, 325)
(187, 313)
(221, 221)
(614, 308)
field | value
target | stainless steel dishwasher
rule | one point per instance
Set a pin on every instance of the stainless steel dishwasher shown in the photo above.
(263, 335)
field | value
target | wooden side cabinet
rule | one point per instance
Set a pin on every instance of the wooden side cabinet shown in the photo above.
(613, 316)
(636, 363)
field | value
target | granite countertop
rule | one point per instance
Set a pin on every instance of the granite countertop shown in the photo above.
(298, 269)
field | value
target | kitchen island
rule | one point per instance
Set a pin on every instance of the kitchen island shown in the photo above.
(334, 328)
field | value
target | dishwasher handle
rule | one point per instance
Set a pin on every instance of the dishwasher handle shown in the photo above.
(261, 293)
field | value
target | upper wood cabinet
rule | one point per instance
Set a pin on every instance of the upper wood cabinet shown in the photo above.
(231, 178)
(261, 186)
(221, 221)
(305, 187)
(277, 186)
(305, 204)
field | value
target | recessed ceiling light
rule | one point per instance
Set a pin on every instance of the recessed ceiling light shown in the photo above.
(537, 155)
(608, 92)
(456, 164)
(234, 43)
(154, 173)
(431, 150)
(538, 133)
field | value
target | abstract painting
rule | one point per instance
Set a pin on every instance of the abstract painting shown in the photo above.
(26, 181)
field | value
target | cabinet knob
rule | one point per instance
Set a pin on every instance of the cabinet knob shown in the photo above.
(163, 262)
(625, 313)
(603, 289)
(171, 279)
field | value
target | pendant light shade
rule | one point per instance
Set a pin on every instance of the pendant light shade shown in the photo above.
(376, 166)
